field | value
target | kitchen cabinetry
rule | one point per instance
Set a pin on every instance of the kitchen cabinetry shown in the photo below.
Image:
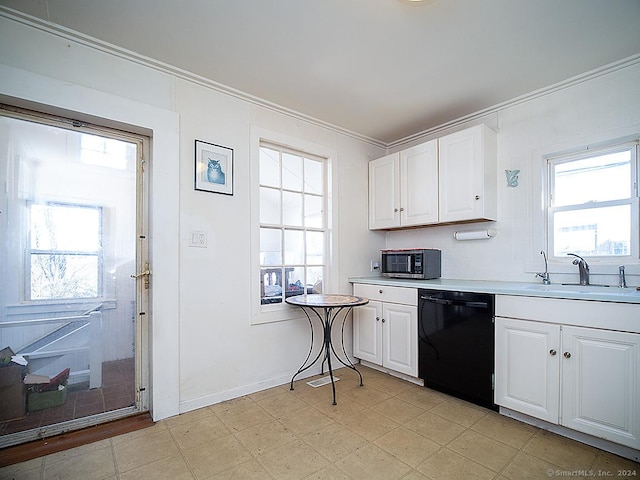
(403, 188)
(385, 330)
(586, 379)
(468, 175)
(447, 180)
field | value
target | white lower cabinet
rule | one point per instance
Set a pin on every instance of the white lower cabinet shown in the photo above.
(385, 331)
(586, 379)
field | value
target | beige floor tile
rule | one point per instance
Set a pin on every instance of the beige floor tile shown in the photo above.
(143, 432)
(282, 403)
(341, 411)
(77, 451)
(250, 470)
(448, 465)
(233, 404)
(237, 419)
(191, 434)
(269, 392)
(415, 475)
(561, 451)
(483, 450)
(329, 473)
(265, 436)
(305, 421)
(459, 411)
(173, 467)
(407, 445)
(616, 466)
(216, 456)
(369, 424)
(422, 397)
(188, 417)
(389, 384)
(335, 441)
(398, 410)
(29, 470)
(505, 429)
(367, 396)
(141, 451)
(293, 461)
(525, 466)
(95, 465)
(372, 463)
(435, 428)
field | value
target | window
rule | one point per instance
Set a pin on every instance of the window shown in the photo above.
(593, 203)
(65, 251)
(293, 225)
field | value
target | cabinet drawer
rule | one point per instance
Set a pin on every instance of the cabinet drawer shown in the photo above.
(404, 295)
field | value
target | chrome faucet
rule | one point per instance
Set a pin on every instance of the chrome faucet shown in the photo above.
(545, 275)
(583, 268)
(622, 281)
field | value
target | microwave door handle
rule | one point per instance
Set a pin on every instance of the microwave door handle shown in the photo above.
(409, 264)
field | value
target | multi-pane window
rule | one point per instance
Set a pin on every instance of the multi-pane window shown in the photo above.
(593, 203)
(65, 251)
(292, 223)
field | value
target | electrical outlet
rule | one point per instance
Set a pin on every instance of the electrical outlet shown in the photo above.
(198, 239)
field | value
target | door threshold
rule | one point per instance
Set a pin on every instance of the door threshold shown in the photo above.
(66, 441)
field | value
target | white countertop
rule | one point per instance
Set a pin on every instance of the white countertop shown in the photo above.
(573, 292)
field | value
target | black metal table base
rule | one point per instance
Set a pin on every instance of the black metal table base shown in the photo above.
(331, 314)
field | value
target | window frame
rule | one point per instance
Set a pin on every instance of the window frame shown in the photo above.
(277, 312)
(29, 251)
(550, 161)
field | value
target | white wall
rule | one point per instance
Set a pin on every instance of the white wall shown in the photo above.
(204, 347)
(600, 109)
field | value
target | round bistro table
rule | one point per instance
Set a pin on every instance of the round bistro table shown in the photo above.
(327, 308)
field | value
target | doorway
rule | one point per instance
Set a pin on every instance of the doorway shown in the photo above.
(74, 275)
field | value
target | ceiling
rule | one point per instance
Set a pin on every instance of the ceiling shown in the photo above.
(383, 69)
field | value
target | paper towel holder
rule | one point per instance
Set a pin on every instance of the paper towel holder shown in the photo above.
(476, 234)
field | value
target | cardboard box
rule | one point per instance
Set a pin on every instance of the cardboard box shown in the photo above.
(41, 400)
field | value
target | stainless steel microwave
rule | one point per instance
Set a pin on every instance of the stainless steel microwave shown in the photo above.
(415, 263)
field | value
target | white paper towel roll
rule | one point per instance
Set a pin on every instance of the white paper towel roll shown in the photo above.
(476, 234)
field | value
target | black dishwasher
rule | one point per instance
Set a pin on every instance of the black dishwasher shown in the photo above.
(456, 344)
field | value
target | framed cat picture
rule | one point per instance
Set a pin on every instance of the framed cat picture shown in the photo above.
(214, 168)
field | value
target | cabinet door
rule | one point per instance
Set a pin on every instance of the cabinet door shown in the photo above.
(367, 332)
(527, 377)
(601, 383)
(400, 338)
(467, 162)
(419, 184)
(384, 192)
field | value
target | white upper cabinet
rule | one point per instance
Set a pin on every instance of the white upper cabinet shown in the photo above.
(468, 175)
(403, 188)
(419, 184)
(450, 179)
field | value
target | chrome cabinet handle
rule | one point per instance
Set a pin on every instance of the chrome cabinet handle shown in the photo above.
(383, 320)
(552, 352)
(567, 355)
(477, 197)
(395, 210)
(377, 319)
(380, 291)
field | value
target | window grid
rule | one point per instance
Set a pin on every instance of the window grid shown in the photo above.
(592, 203)
(289, 263)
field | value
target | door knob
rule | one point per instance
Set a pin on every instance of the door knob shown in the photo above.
(552, 352)
(567, 355)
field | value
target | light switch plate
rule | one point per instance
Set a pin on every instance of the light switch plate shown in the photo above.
(198, 238)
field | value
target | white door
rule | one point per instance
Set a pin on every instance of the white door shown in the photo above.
(367, 332)
(527, 373)
(601, 384)
(419, 184)
(384, 192)
(399, 338)
(74, 273)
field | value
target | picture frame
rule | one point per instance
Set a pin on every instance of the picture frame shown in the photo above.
(213, 168)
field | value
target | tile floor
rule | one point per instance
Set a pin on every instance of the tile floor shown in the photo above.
(388, 429)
